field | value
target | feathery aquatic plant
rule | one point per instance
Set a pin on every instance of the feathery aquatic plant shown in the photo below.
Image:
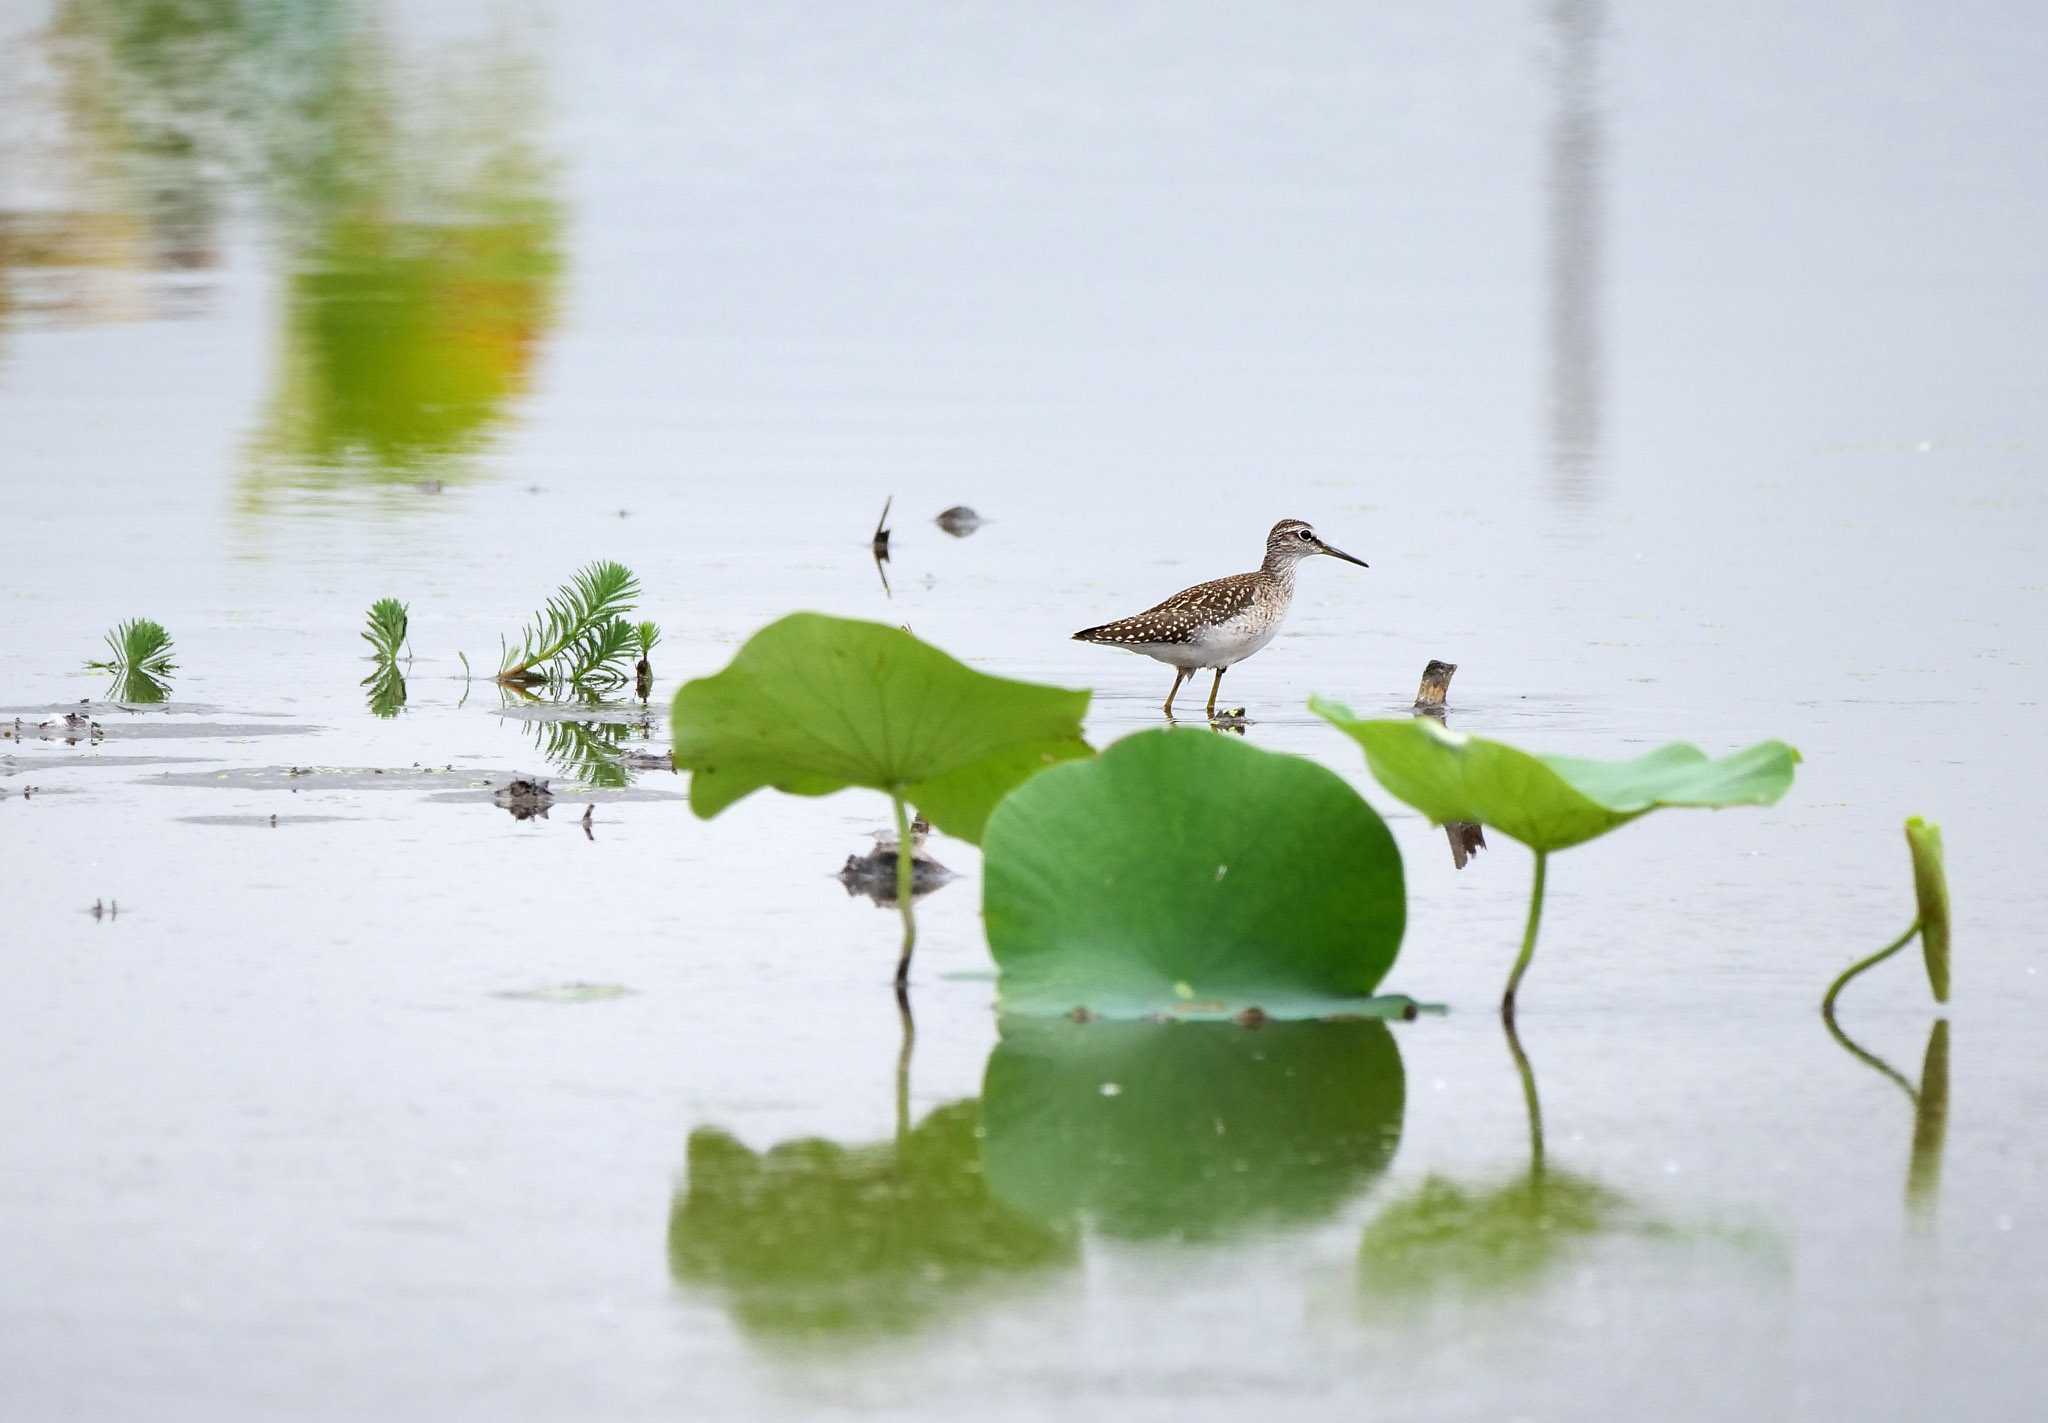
(581, 637)
(386, 632)
(138, 645)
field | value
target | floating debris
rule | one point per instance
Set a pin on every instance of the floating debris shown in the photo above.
(524, 799)
(879, 544)
(959, 521)
(638, 760)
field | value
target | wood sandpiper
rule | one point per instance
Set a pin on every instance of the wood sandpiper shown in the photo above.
(1220, 623)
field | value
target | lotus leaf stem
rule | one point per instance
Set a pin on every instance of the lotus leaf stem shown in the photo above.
(1529, 1101)
(904, 851)
(903, 1064)
(1507, 1002)
(1827, 1004)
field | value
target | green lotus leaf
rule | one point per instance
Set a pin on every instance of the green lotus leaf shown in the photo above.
(1552, 802)
(1184, 872)
(814, 704)
(812, 1240)
(1188, 1130)
(1930, 887)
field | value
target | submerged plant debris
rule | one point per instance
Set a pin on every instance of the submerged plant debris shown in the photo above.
(525, 799)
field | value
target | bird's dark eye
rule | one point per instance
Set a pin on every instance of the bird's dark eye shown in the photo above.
(1306, 536)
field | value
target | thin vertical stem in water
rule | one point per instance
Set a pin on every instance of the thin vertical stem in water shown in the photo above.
(1507, 1002)
(903, 877)
(1827, 1004)
(1529, 1101)
(903, 1064)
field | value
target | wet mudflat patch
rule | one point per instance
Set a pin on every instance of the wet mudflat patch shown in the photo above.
(262, 822)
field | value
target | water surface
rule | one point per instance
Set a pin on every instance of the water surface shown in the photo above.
(1674, 371)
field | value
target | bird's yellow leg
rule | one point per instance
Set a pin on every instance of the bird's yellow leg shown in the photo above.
(1212, 693)
(1180, 674)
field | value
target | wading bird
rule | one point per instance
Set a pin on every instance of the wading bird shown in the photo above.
(1220, 623)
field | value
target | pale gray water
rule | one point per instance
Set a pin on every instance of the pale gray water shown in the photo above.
(1674, 369)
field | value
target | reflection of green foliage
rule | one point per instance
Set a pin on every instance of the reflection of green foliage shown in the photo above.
(1189, 1130)
(813, 1240)
(1930, 1107)
(1930, 1121)
(424, 255)
(1453, 1238)
(387, 690)
(1447, 1237)
(1550, 802)
(150, 92)
(588, 751)
(138, 687)
(581, 638)
(1182, 870)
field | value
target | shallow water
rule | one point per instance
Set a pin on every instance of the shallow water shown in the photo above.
(1675, 374)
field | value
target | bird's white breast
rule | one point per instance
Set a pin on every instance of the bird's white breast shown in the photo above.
(1235, 638)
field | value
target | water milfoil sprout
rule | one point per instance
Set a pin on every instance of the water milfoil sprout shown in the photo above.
(1930, 923)
(387, 629)
(581, 638)
(386, 633)
(140, 661)
(645, 635)
(138, 645)
(1550, 802)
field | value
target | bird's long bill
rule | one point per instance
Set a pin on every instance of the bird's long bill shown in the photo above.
(1333, 551)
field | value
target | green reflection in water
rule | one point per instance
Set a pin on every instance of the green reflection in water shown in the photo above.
(1189, 1131)
(387, 690)
(412, 208)
(153, 97)
(423, 258)
(812, 1239)
(592, 751)
(137, 687)
(1930, 1111)
(1449, 1238)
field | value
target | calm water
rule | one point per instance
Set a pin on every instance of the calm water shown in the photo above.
(1676, 372)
